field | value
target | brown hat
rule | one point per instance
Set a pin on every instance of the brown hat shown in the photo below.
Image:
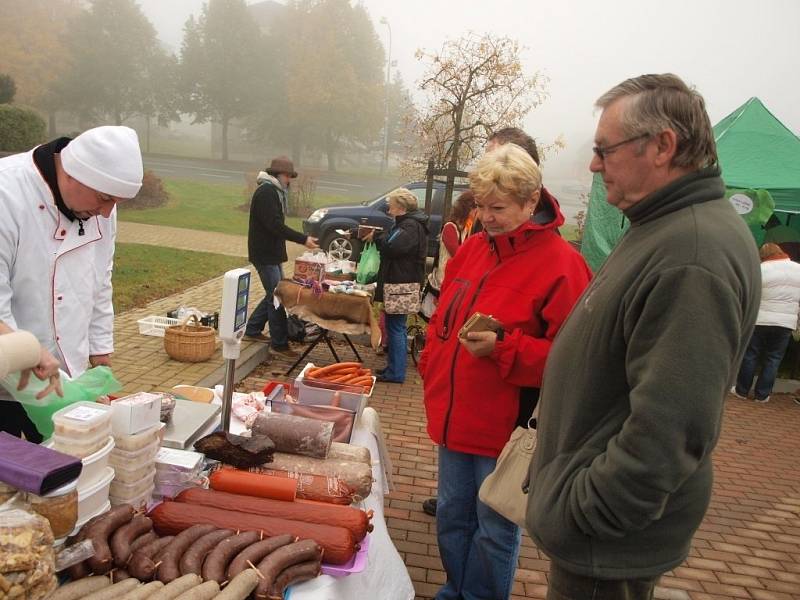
(282, 164)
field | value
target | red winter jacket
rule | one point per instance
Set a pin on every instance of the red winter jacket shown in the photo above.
(529, 280)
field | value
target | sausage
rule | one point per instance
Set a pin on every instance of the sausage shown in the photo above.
(113, 592)
(76, 590)
(177, 587)
(255, 552)
(192, 559)
(100, 531)
(117, 575)
(172, 553)
(282, 559)
(339, 544)
(81, 569)
(123, 538)
(204, 591)
(240, 586)
(141, 565)
(354, 519)
(142, 540)
(143, 592)
(295, 574)
(216, 564)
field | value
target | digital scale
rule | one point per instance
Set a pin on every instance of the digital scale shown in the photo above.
(232, 321)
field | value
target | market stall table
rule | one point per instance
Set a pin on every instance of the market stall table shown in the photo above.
(345, 314)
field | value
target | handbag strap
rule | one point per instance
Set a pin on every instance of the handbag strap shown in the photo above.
(535, 416)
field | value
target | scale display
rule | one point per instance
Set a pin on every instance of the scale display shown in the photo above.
(235, 296)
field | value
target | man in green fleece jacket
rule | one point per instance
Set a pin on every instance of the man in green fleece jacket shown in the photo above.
(635, 382)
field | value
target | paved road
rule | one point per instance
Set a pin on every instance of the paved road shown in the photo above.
(359, 188)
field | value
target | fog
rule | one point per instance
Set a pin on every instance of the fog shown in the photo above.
(730, 50)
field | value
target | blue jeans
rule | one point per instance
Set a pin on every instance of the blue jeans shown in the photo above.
(479, 548)
(766, 348)
(265, 312)
(397, 357)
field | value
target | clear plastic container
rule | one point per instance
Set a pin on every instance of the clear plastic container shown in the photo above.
(137, 441)
(82, 419)
(59, 507)
(94, 465)
(92, 499)
(139, 501)
(85, 518)
(81, 447)
(131, 476)
(125, 491)
(137, 458)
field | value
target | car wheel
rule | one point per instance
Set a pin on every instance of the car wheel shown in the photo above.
(342, 248)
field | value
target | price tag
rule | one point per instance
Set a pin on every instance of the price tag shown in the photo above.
(85, 413)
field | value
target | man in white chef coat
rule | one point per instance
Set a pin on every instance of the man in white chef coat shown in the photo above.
(57, 247)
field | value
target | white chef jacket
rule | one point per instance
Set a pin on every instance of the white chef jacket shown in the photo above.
(53, 282)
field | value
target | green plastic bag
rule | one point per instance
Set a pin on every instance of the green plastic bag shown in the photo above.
(89, 386)
(368, 265)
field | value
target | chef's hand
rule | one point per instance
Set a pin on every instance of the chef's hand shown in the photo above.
(480, 343)
(98, 360)
(48, 368)
(311, 243)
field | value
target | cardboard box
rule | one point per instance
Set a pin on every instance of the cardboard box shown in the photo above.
(306, 270)
(135, 413)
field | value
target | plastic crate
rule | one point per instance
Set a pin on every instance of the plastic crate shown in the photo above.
(154, 325)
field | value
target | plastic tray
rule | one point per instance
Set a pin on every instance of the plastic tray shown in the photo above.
(316, 394)
(82, 419)
(92, 499)
(356, 564)
(155, 326)
(137, 441)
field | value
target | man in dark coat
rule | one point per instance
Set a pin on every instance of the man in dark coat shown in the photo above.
(266, 245)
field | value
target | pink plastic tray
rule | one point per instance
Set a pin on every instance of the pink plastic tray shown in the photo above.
(357, 564)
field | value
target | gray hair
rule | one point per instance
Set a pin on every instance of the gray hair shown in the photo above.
(660, 102)
(404, 198)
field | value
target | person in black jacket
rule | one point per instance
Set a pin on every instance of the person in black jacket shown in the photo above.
(266, 246)
(403, 250)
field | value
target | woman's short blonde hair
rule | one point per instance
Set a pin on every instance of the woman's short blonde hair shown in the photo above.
(508, 172)
(403, 198)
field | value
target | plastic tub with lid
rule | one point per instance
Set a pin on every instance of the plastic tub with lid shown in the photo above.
(124, 491)
(59, 507)
(137, 441)
(82, 419)
(81, 447)
(139, 501)
(94, 465)
(92, 499)
(136, 459)
(134, 475)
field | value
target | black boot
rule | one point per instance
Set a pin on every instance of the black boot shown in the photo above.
(429, 507)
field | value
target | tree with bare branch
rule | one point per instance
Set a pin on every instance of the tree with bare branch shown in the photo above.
(474, 86)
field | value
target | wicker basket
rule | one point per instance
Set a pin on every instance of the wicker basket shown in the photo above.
(190, 342)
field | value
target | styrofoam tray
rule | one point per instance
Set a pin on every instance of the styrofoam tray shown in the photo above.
(357, 564)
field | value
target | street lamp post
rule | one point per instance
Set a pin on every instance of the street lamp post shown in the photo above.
(385, 158)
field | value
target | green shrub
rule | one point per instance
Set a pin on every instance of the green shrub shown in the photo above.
(20, 128)
(152, 194)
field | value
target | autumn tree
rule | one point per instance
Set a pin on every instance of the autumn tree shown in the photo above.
(331, 79)
(473, 86)
(222, 65)
(112, 46)
(32, 38)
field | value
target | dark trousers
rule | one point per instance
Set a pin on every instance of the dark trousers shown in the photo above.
(766, 349)
(568, 586)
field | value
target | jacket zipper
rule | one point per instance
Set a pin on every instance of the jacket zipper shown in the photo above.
(454, 303)
(455, 355)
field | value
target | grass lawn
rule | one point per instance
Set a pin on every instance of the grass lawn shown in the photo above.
(208, 207)
(145, 273)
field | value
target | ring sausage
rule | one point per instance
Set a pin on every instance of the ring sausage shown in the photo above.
(282, 559)
(78, 589)
(143, 592)
(255, 552)
(142, 566)
(177, 587)
(240, 586)
(171, 555)
(192, 559)
(216, 564)
(113, 592)
(204, 591)
(122, 539)
(142, 540)
(100, 531)
(295, 574)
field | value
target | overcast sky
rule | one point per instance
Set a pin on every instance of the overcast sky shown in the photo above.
(729, 49)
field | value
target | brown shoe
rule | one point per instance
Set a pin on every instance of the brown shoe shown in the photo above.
(259, 337)
(285, 352)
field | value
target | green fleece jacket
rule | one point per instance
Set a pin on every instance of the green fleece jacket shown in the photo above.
(634, 386)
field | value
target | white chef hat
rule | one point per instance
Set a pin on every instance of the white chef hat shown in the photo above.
(106, 159)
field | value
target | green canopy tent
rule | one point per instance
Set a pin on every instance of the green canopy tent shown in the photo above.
(760, 159)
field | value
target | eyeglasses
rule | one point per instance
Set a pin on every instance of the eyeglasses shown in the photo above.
(602, 151)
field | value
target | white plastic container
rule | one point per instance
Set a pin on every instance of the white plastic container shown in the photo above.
(81, 420)
(131, 476)
(81, 447)
(93, 498)
(307, 394)
(137, 441)
(104, 508)
(139, 501)
(123, 492)
(94, 465)
(137, 458)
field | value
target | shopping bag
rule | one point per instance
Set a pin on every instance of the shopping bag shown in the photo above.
(505, 489)
(400, 298)
(368, 265)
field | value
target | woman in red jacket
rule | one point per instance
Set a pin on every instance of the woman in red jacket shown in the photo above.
(527, 277)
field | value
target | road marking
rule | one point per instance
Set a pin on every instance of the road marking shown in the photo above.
(180, 166)
(335, 189)
(217, 176)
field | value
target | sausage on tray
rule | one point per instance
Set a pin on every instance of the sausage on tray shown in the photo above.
(216, 563)
(255, 552)
(282, 559)
(122, 539)
(171, 555)
(192, 559)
